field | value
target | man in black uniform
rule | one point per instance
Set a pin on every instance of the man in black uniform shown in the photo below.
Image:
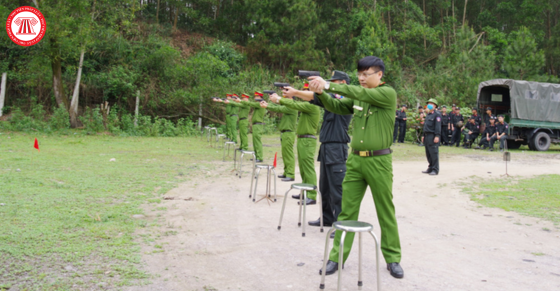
(489, 132)
(477, 118)
(400, 125)
(487, 116)
(444, 126)
(501, 133)
(432, 134)
(471, 132)
(456, 127)
(333, 151)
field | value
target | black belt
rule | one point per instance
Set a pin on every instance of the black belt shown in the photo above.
(372, 153)
(307, 136)
(242, 118)
(233, 115)
(258, 123)
(287, 130)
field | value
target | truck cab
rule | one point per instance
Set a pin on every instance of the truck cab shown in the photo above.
(531, 109)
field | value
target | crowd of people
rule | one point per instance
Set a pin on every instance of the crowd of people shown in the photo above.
(486, 129)
(345, 173)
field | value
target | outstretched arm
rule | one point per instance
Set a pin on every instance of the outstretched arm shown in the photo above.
(339, 106)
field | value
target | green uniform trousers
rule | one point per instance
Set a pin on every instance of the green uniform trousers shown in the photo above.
(257, 143)
(233, 129)
(306, 159)
(287, 140)
(228, 121)
(377, 172)
(243, 131)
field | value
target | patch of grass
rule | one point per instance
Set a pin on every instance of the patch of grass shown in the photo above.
(537, 196)
(69, 205)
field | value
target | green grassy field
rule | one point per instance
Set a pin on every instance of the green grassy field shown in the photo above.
(537, 196)
(66, 216)
(66, 212)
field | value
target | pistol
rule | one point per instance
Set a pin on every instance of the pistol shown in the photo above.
(269, 92)
(307, 74)
(281, 85)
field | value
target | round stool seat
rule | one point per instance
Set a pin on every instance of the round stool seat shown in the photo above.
(221, 134)
(353, 226)
(212, 128)
(303, 186)
(247, 152)
(207, 127)
(264, 166)
(230, 142)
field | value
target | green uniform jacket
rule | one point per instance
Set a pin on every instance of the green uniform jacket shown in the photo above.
(228, 109)
(374, 113)
(289, 117)
(243, 109)
(232, 108)
(258, 112)
(309, 120)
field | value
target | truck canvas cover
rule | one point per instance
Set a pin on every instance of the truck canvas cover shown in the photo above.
(530, 101)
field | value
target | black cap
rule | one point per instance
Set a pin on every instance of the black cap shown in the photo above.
(488, 108)
(340, 75)
(443, 106)
(420, 107)
(474, 109)
(501, 115)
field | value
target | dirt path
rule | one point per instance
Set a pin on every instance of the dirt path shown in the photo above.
(223, 241)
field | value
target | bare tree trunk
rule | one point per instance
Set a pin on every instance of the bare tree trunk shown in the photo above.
(2, 91)
(136, 108)
(73, 110)
(389, 16)
(175, 20)
(453, 14)
(58, 87)
(465, 12)
(157, 12)
(424, 11)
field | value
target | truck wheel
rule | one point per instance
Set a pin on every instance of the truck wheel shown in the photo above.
(541, 141)
(513, 145)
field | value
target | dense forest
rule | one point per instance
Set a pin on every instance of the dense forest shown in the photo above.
(174, 55)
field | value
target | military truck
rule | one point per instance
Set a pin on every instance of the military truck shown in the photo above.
(531, 109)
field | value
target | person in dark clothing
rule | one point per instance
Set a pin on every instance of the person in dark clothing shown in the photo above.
(487, 116)
(471, 132)
(477, 118)
(444, 126)
(400, 124)
(456, 124)
(420, 125)
(333, 152)
(489, 132)
(501, 133)
(432, 134)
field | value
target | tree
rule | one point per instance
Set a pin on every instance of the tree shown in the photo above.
(522, 58)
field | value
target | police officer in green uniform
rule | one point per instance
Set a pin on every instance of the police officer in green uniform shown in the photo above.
(243, 115)
(258, 124)
(306, 140)
(432, 134)
(228, 112)
(233, 113)
(370, 163)
(287, 129)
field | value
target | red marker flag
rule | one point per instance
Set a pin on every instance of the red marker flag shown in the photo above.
(274, 163)
(36, 144)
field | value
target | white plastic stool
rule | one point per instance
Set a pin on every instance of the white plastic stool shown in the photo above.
(302, 202)
(218, 137)
(269, 171)
(350, 226)
(212, 130)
